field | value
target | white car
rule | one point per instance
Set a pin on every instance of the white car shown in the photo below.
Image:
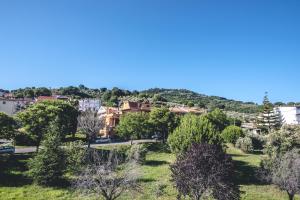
(7, 149)
(102, 140)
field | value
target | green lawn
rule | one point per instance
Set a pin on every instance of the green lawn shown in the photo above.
(155, 180)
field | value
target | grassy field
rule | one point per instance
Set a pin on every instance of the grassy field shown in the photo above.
(155, 181)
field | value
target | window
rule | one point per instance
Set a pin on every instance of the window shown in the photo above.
(3, 102)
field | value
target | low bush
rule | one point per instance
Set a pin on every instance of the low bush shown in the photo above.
(232, 133)
(245, 144)
(138, 153)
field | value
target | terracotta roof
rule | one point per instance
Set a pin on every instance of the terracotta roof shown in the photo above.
(43, 98)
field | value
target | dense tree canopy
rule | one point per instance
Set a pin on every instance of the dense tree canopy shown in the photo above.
(7, 127)
(232, 133)
(134, 126)
(194, 129)
(163, 121)
(37, 118)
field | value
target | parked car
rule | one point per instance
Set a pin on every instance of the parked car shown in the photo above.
(7, 149)
(102, 140)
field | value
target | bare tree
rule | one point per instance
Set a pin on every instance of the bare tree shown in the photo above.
(284, 172)
(108, 178)
(90, 123)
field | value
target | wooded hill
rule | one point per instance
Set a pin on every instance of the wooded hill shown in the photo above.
(166, 96)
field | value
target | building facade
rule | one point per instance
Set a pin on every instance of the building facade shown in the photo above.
(12, 106)
(290, 115)
(89, 104)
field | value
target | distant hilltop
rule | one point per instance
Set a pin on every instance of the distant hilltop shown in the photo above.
(112, 97)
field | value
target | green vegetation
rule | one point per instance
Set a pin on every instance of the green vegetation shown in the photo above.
(143, 125)
(155, 95)
(245, 144)
(8, 126)
(47, 167)
(231, 133)
(198, 129)
(193, 129)
(268, 120)
(37, 118)
(14, 185)
(187, 97)
(163, 122)
(134, 126)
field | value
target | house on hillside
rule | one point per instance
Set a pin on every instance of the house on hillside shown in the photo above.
(55, 97)
(12, 106)
(129, 106)
(111, 115)
(89, 104)
(111, 118)
(290, 115)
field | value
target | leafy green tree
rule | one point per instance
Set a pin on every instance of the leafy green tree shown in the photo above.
(190, 104)
(29, 93)
(134, 126)
(37, 118)
(163, 121)
(7, 127)
(194, 129)
(106, 96)
(219, 119)
(42, 91)
(48, 166)
(231, 133)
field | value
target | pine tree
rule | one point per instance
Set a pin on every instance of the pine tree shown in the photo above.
(48, 166)
(268, 119)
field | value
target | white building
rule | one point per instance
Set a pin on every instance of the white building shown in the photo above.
(289, 114)
(89, 104)
(12, 106)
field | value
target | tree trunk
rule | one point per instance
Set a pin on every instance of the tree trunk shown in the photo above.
(291, 196)
(88, 138)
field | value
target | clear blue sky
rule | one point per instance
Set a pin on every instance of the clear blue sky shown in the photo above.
(235, 48)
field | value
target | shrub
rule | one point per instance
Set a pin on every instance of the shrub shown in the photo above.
(232, 133)
(160, 189)
(258, 140)
(194, 129)
(138, 153)
(204, 171)
(283, 171)
(245, 144)
(283, 140)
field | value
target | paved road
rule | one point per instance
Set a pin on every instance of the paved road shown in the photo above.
(33, 149)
